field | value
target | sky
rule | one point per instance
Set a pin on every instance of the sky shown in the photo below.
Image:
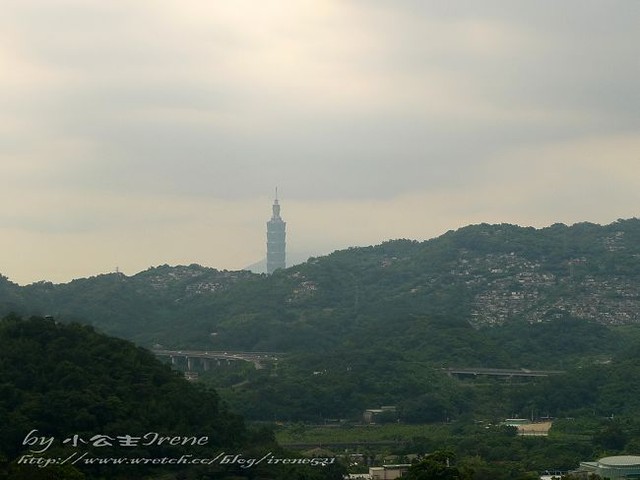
(136, 133)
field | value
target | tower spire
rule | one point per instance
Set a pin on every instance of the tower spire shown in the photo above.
(276, 207)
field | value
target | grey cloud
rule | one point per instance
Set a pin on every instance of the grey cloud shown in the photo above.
(130, 110)
(155, 131)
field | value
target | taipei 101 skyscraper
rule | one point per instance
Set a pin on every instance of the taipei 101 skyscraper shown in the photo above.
(275, 239)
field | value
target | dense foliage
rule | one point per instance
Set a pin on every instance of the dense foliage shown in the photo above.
(373, 326)
(71, 384)
(480, 275)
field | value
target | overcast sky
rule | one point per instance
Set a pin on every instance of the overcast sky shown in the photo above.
(136, 133)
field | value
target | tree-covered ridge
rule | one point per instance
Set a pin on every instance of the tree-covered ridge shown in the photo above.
(126, 306)
(480, 275)
(375, 325)
(68, 380)
(483, 275)
(104, 396)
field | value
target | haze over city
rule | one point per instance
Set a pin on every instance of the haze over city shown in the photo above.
(135, 134)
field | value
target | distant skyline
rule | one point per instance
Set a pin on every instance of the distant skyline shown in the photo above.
(137, 133)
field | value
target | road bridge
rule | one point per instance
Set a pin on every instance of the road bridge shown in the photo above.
(502, 372)
(206, 359)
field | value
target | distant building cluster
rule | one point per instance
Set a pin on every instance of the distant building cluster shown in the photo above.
(511, 286)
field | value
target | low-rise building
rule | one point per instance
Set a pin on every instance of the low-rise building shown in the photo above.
(369, 415)
(389, 472)
(620, 467)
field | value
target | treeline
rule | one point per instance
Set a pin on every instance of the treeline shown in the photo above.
(344, 381)
(334, 300)
(341, 384)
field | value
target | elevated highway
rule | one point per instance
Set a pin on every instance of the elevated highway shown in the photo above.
(502, 372)
(205, 359)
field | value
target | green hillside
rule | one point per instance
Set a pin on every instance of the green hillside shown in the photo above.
(66, 381)
(67, 392)
(481, 275)
(376, 325)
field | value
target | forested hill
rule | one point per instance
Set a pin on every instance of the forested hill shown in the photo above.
(398, 293)
(70, 383)
(125, 306)
(116, 412)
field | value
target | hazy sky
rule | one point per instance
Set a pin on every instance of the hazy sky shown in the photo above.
(136, 133)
